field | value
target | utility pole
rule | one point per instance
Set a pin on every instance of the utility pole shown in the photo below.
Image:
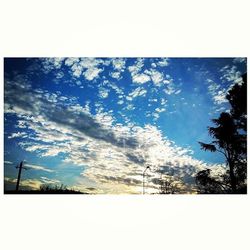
(143, 181)
(19, 174)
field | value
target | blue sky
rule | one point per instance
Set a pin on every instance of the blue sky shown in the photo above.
(94, 124)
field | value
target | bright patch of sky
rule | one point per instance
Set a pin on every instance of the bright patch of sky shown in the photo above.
(94, 124)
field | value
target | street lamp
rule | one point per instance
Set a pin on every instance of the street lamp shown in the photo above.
(143, 181)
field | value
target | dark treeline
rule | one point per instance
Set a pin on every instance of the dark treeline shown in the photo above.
(46, 189)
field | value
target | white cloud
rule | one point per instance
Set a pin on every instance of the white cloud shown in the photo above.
(76, 70)
(240, 60)
(31, 184)
(105, 118)
(38, 167)
(163, 101)
(169, 90)
(117, 89)
(160, 110)
(156, 116)
(71, 60)
(136, 93)
(90, 68)
(52, 63)
(231, 74)
(219, 110)
(21, 124)
(163, 62)
(140, 78)
(120, 102)
(217, 92)
(156, 76)
(153, 100)
(156, 113)
(130, 107)
(92, 73)
(136, 68)
(17, 135)
(220, 97)
(46, 180)
(59, 75)
(115, 75)
(52, 151)
(103, 93)
(8, 162)
(119, 64)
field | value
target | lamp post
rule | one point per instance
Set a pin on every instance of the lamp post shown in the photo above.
(143, 181)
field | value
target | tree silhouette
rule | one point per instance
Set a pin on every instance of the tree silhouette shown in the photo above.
(170, 185)
(210, 185)
(237, 97)
(229, 136)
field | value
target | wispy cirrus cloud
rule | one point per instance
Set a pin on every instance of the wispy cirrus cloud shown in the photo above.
(18, 134)
(38, 167)
(8, 162)
(231, 74)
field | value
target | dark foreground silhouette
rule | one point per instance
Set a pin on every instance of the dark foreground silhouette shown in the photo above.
(46, 189)
(229, 136)
(43, 192)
